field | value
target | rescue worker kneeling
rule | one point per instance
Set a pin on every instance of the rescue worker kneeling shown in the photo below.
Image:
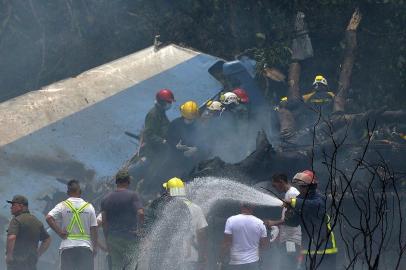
(309, 208)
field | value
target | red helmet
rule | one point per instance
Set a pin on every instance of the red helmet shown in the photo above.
(165, 95)
(305, 178)
(242, 95)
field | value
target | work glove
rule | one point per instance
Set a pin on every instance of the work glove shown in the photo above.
(181, 147)
(190, 151)
(220, 266)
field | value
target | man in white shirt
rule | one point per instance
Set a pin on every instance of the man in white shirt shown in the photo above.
(74, 220)
(290, 237)
(244, 236)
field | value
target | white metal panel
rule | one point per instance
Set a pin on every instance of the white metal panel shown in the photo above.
(75, 128)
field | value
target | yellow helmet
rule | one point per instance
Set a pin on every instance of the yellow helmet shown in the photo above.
(320, 79)
(175, 187)
(189, 110)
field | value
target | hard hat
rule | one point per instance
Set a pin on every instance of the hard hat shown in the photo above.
(214, 105)
(320, 79)
(241, 94)
(229, 98)
(165, 95)
(305, 178)
(189, 110)
(175, 187)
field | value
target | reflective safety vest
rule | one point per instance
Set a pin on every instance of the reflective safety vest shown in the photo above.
(331, 246)
(314, 97)
(76, 221)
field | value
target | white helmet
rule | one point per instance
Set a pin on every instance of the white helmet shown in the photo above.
(214, 105)
(229, 98)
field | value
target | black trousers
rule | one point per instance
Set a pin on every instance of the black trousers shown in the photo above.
(22, 265)
(288, 260)
(77, 258)
(324, 262)
(248, 266)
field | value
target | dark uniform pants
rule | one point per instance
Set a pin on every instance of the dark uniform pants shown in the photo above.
(327, 262)
(77, 258)
(288, 260)
(248, 266)
(22, 265)
(122, 251)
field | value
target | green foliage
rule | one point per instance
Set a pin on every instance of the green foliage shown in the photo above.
(276, 55)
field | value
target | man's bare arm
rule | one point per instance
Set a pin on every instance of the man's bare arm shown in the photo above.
(202, 244)
(105, 225)
(225, 247)
(44, 246)
(269, 222)
(264, 243)
(11, 240)
(140, 217)
(54, 226)
(94, 238)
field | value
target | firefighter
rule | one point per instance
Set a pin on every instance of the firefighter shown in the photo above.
(182, 130)
(298, 116)
(243, 103)
(320, 97)
(213, 110)
(319, 245)
(157, 123)
(230, 102)
(153, 144)
(195, 256)
(185, 222)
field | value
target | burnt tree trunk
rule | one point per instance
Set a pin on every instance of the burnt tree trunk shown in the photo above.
(348, 62)
(293, 81)
(233, 17)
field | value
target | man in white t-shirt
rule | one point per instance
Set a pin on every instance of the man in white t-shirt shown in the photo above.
(244, 236)
(74, 220)
(290, 237)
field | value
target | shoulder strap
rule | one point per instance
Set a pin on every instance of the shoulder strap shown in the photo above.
(76, 220)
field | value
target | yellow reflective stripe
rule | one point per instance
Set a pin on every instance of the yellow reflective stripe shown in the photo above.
(73, 220)
(293, 202)
(79, 237)
(321, 252)
(308, 96)
(333, 239)
(76, 217)
(331, 250)
(331, 94)
(320, 100)
(76, 220)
